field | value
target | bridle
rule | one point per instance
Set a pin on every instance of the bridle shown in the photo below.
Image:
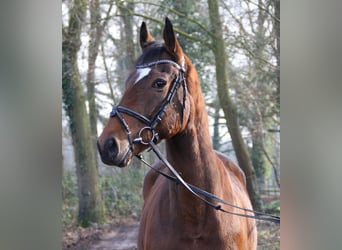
(151, 124)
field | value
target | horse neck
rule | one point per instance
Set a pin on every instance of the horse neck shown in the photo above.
(191, 151)
(192, 155)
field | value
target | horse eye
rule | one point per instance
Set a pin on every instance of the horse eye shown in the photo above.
(159, 83)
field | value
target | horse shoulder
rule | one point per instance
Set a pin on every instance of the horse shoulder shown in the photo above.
(232, 167)
(248, 232)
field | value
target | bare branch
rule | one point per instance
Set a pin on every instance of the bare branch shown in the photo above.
(193, 38)
(264, 9)
(171, 10)
(107, 74)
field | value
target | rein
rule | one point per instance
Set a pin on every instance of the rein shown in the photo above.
(151, 125)
(197, 191)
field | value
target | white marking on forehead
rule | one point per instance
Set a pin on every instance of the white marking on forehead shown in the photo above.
(142, 73)
(183, 62)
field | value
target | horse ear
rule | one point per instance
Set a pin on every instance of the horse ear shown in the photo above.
(145, 36)
(171, 41)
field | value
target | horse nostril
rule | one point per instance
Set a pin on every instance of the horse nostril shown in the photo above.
(111, 147)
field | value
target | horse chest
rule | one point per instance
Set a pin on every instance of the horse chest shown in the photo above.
(167, 234)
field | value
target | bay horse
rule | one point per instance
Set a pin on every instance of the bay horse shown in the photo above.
(163, 101)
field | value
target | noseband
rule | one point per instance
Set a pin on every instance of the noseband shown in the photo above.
(151, 124)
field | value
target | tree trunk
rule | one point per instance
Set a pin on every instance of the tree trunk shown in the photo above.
(128, 37)
(257, 152)
(89, 198)
(227, 104)
(256, 126)
(277, 31)
(94, 41)
(216, 135)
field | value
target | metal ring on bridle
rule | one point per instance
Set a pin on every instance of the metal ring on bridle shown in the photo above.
(140, 138)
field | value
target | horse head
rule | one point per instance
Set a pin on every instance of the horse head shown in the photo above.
(155, 103)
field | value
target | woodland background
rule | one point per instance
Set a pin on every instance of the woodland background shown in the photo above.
(235, 48)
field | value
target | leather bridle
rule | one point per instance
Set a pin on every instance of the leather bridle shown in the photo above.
(152, 123)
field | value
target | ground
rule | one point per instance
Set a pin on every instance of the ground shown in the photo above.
(122, 235)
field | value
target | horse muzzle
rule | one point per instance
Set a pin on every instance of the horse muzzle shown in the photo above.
(114, 152)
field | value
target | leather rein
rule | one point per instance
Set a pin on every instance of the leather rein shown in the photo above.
(151, 124)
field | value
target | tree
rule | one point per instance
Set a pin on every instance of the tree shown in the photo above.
(227, 105)
(94, 41)
(95, 35)
(90, 208)
(127, 35)
(257, 87)
(276, 25)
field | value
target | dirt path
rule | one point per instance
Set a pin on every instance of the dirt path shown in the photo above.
(119, 235)
(121, 238)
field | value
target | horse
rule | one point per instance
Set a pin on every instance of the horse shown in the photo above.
(163, 101)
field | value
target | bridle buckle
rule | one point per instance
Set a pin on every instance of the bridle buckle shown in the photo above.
(144, 133)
